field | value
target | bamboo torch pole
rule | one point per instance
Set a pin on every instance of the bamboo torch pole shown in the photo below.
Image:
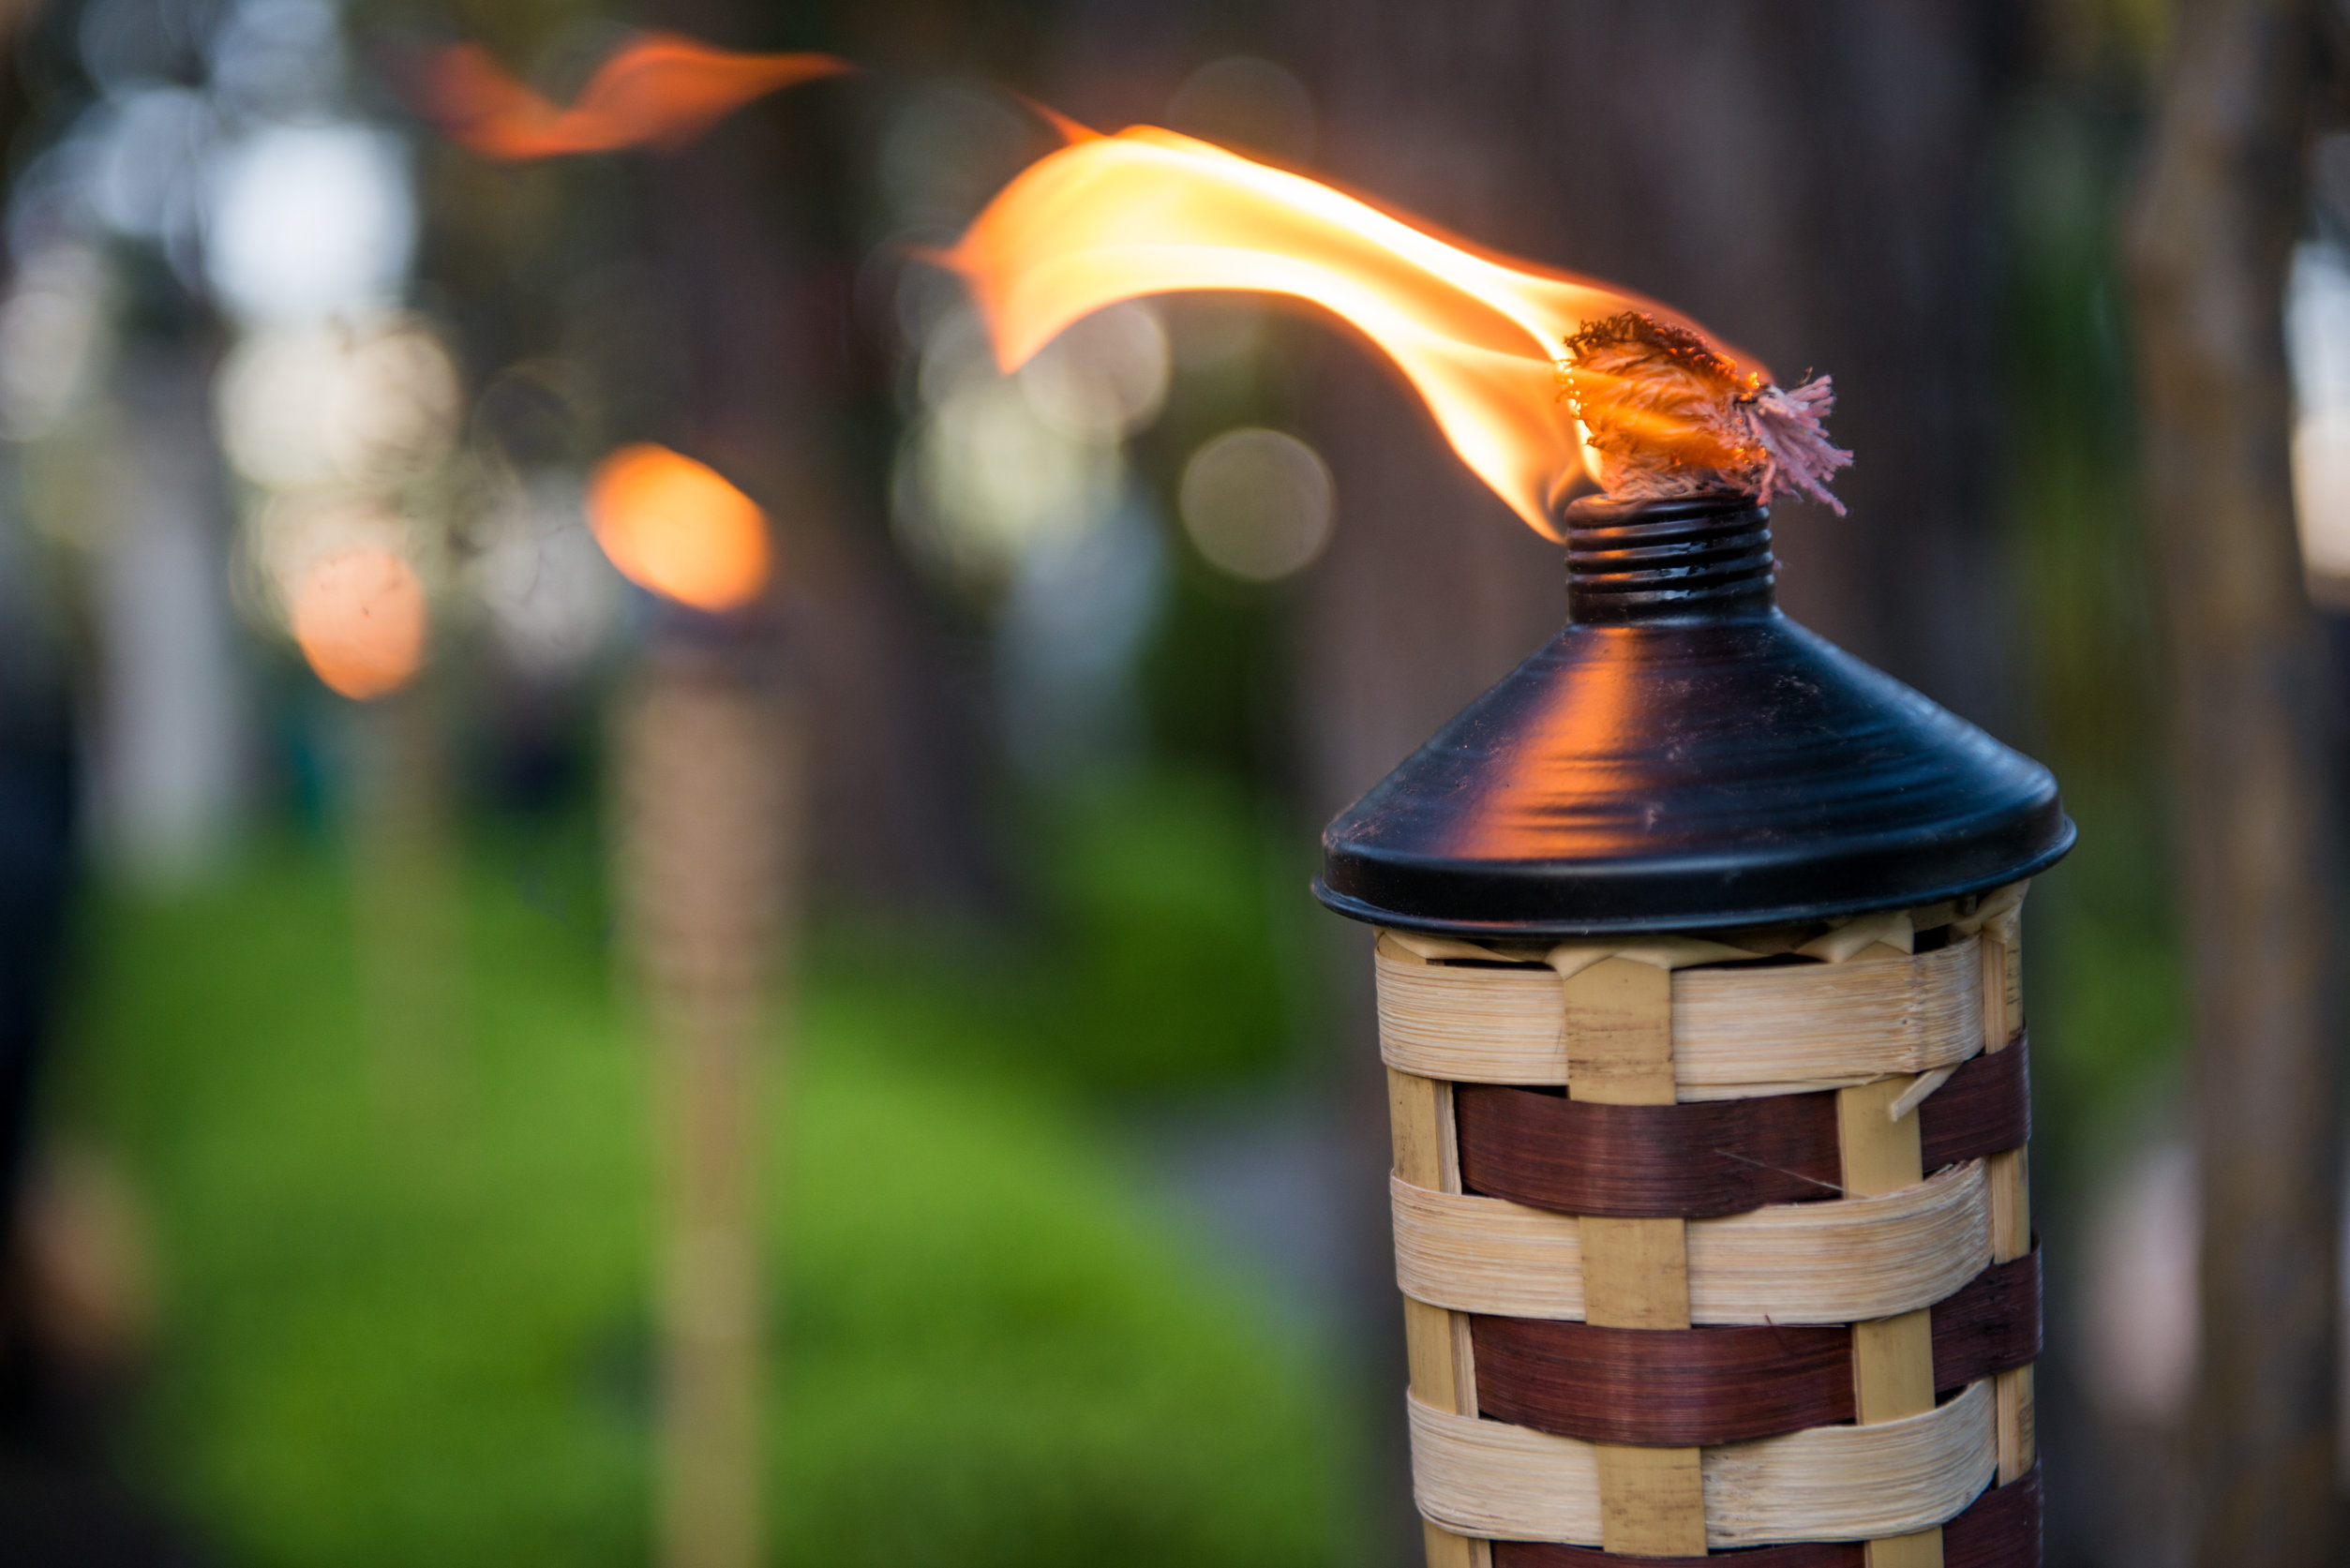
(704, 772)
(406, 909)
(703, 755)
(361, 619)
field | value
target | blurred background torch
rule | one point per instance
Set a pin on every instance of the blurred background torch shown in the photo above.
(339, 413)
(704, 776)
(705, 773)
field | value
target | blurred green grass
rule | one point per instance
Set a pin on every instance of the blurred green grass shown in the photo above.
(2105, 972)
(1164, 948)
(404, 1328)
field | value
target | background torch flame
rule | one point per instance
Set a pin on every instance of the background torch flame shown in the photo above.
(676, 526)
(1148, 211)
(660, 90)
(359, 615)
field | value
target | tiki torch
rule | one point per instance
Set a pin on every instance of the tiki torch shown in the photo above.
(707, 776)
(1698, 978)
(704, 774)
(359, 612)
(1697, 945)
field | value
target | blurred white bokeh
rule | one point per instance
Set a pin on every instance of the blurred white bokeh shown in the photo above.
(56, 329)
(997, 467)
(552, 597)
(2140, 1306)
(1258, 504)
(152, 143)
(310, 221)
(290, 533)
(337, 404)
(1104, 378)
(2317, 332)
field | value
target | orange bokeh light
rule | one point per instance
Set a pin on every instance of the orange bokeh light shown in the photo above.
(676, 526)
(360, 618)
(660, 90)
(1480, 336)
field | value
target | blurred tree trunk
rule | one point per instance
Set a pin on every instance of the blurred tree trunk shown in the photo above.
(1813, 181)
(2213, 229)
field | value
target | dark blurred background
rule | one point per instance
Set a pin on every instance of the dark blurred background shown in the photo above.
(331, 1225)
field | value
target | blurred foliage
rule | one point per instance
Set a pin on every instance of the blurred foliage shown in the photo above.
(2102, 44)
(1212, 676)
(2108, 995)
(1166, 940)
(405, 1330)
(1217, 678)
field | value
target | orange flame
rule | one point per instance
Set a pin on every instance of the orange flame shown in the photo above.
(1148, 211)
(661, 90)
(359, 615)
(674, 526)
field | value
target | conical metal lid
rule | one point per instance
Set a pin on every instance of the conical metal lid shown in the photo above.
(1683, 755)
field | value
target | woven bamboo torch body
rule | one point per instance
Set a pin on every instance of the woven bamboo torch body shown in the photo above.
(1698, 978)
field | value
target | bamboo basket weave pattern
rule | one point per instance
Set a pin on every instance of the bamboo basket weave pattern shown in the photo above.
(1719, 1244)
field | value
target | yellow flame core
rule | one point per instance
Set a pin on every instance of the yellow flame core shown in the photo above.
(1148, 212)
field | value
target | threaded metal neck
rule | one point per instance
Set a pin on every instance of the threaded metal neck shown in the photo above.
(1690, 556)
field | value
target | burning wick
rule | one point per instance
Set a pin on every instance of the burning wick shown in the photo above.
(677, 527)
(359, 616)
(661, 90)
(1486, 340)
(1667, 416)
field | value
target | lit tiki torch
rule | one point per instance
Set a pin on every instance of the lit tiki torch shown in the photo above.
(705, 797)
(707, 786)
(361, 615)
(1697, 945)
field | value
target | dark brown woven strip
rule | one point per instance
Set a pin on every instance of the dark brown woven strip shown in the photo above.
(1802, 1554)
(1694, 1161)
(2001, 1530)
(1984, 1108)
(1691, 1388)
(1705, 1158)
(1993, 1325)
(1662, 1388)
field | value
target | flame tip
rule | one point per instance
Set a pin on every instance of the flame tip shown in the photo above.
(1071, 131)
(659, 89)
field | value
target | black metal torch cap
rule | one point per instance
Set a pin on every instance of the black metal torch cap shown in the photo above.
(1682, 755)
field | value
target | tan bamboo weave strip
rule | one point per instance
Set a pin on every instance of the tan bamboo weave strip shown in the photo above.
(1736, 1031)
(1511, 1483)
(1880, 1148)
(1442, 1360)
(1635, 1273)
(1835, 1262)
